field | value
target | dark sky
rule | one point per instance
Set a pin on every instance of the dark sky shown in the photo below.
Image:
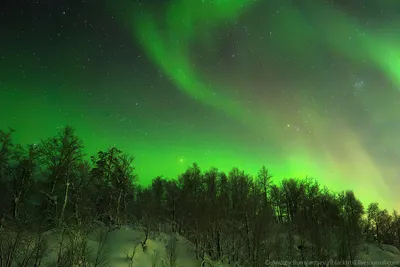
(307, 88)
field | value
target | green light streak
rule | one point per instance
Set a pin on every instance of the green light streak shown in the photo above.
(168, 38)
(168, 44)
(348, 37)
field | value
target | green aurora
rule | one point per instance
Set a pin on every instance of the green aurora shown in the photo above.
(290, 131)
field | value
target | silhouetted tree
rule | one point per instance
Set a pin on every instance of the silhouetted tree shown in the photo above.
(157, 198)
(171, 202)
(113, 173)
(6, 151)
(373, 227)
(277, 203)
(22, 174)
(6, 154)
(235, 218)
(80, 184)
(60, 155)
(351, 214)
(385, 222)
(396, 229)
(264, 181)
(189, 211)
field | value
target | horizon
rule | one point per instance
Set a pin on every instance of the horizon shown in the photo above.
(146, 175)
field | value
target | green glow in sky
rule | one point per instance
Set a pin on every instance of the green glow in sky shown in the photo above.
(364, 44)
(244, 83)
(168, 43)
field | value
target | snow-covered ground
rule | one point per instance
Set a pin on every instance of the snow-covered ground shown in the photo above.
(124, 242)
(378, 255)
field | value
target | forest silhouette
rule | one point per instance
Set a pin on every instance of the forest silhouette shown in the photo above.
(230, 217)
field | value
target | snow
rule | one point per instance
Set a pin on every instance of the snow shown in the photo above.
(126, 241)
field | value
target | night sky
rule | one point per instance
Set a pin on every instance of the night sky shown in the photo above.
(305, 87)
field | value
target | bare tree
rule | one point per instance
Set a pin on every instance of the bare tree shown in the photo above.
(264, 181)
(373, 222)
(80, 185)
(114, 171)
(130, 256)
(6, 154)
(102, 253)
(352, 211)
(31, 250)
(61, 155)
(396, 229)
(171, 252)
(6, 147)
(23, 175)
(157, 198)
(73, 248)
(10, 243)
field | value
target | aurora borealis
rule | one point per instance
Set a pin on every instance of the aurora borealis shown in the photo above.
(307, 88)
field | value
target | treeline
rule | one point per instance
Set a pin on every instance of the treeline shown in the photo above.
(230, 217)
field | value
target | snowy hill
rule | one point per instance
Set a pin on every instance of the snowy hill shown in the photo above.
(123, 247)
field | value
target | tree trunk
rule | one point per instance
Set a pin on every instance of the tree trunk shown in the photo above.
(17, 196)
(118, 206)
(196, 243)
(174, 217)
(233, 246)
(378, 237)
(65, 203)
(125, 203)
(248, 242)
(55, 180)
(218, 245)
(16, 204)
(76, 211)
